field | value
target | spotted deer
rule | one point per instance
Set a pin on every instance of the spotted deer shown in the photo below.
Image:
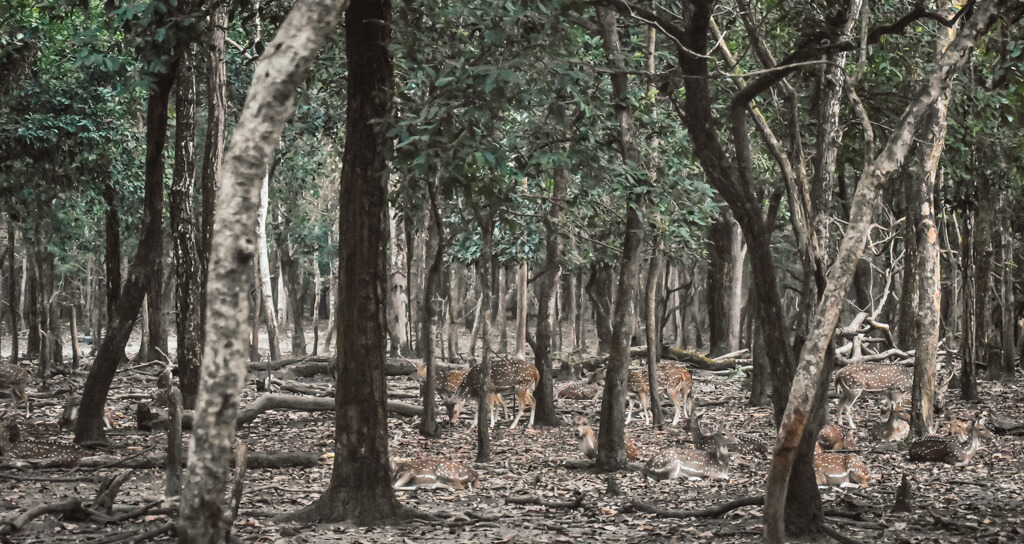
(711, 462)
(582, 389)
(587, 441)
(674, 380)
(836, 437)
(506, 375)
(839, 469)
(854, 379)
(65, 453)
(434, 473)
(948, 449)
(895, 428)
(15, 378)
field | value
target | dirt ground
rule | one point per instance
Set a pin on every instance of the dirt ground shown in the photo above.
(982, 502)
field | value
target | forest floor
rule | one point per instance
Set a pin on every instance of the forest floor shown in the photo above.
(982, 502)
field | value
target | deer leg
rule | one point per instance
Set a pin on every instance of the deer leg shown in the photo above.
(674, 395)
(522, 409)
(846, 405)
(645, 405)
(629, 412)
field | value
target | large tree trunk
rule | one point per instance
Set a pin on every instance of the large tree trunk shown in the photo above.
(922, 214)
(611, 454)
(268, 106)
(546, 412)
(805, 392)
(985, 221)
(187, 268)
(144, 267)
(360, 488)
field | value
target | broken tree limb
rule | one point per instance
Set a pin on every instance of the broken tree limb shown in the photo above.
(530, 499)
(308, 404)
(712, 512)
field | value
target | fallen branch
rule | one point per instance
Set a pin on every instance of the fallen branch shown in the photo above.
(530, 499)
(712, 512)
(308, 404)
(262, 459)
(839, 537)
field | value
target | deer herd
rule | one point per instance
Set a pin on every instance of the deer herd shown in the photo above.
(701, 456)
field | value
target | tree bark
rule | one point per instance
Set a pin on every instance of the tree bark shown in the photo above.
(12, 295)
(89, 426)
(428, 424)
(155, 304)
(267, 108)
(611, 454)
(553, 259)
(968, 350)
(522, 277)
(720, 252)
(484, 262)
(360, 488)
(599, 290)
(112, 251)
(653, 328)
(398, 291)
(187, 267)
(985, 221)
(1006, 289)
(922, 214)
(293, 293)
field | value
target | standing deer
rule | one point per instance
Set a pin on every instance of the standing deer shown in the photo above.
(674, 380)
(852, 380)
(506, 375)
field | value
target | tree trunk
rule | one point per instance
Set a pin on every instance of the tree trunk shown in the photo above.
(213, 149)
(155, 303)
(266, 288)
(599, 290)
(144, 267)
(12, 296)
(398, 301)
(922, 214)
(968, 349)
(268, 106)
(31, 296)
(983, 234)
(255, 303)
(805, 393)
(112, 250)
(428, 424)
(553, 259)
(522, 310)
(720, 261)
(1006, 289)
(501, 316)
(317, 287)
(653, 329)
(360, 488)
(611, 453)
(739, 254)
(188, 273)
(484, 262)
(293, 292)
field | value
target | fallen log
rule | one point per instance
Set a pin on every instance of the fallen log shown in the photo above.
(259, 459)
(309, 404)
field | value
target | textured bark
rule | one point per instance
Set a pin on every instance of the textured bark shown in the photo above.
(157, 348)
(213, 150)
(12, 295)
(906, 330)
(1006, 288)
(89, 426)
(553, 261)
(804, 390)
(984, 225)
(360, 487)
(187, 271)
(293, 294)
(653, 328)
(599, 291)
(968, 351)
(268, 106)
(611, 454)
(484, 263)
(428, 424)
(522, 276)
(398, 292)
(739, 255)
(111, 250)
(927, 268)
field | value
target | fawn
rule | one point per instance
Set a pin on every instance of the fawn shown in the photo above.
(10, 446)
(949, 449)
(433, 473)
(839, 469)
(711, 462)
(674, 380)
(836, 437)
(583, 389)
(587, 441)
(895, 428)
(506, 375)
(15, 378)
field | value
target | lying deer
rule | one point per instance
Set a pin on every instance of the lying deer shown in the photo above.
(433, 473)
(895, 428)
(15, 378)
(65, 453)
(587, 441)
(711, 462)
(948, 449)
(582, 389)
(839, 469)
(674, 380)
(836, 437)
(506, 375)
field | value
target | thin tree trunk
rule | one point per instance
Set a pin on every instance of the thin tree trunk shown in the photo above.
(546, 413)
(268, 106)
(188, 271)
(720, 271)
(332, 300)
(968, 350)
(316, 307)
(739, 254)
(985, 221)
(428, 424)
(89, 425)
(522, 310)
(398, 301)
(266, 288)
(293, 293)
(255, 299)
(484, 263)
(611, 453)
(112, 250)
(1006, 289)
(12, 295)
(653, 329)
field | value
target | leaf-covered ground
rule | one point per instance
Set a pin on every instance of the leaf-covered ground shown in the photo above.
(983, 502)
